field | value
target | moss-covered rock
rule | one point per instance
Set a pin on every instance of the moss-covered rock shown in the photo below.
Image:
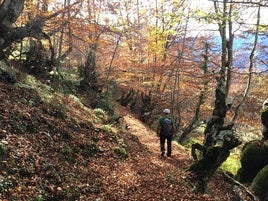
(254, 157)
(260, 184)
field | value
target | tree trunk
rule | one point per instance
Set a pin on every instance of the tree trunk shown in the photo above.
(9, 12)
(214, 156)
(127, 98)
(201, 98)
(147, 107)
(89, 81)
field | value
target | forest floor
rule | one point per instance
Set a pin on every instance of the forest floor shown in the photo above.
(165, 178)
(52, 152)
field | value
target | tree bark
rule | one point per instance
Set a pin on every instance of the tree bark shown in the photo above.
(89, 74)
(214, 156)
(9, 12)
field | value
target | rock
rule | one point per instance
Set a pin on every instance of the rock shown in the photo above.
(260, 183)
(6, 77)
(254, 157)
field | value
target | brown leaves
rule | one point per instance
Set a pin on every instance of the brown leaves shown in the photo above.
(65, 159)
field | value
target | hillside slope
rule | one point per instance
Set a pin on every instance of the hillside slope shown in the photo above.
(61, 150)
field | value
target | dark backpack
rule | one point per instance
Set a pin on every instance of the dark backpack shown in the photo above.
(166, 127)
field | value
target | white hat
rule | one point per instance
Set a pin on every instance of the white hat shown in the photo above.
(166, 111)
(265, 103)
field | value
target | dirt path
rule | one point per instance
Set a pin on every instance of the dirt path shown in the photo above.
(147, 176)
(149, 138)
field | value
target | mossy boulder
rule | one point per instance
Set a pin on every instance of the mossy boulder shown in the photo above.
(260, 184)
(254, 157)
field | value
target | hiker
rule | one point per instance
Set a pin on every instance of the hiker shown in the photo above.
(165, 131)
(264, 120)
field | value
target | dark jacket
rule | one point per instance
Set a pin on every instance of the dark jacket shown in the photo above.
(264, 121)
(159, 130)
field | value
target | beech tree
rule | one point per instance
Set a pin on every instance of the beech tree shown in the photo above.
(218, 128)
(10, 10)
(36, 16)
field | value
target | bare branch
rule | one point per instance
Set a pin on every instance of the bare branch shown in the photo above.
(250, 69)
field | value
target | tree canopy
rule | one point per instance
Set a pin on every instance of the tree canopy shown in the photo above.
(173, 54)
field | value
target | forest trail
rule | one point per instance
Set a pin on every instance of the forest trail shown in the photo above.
(126, 167)
(145, 175)
(149, 138)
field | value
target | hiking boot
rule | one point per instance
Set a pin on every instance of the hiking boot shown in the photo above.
(163, 154)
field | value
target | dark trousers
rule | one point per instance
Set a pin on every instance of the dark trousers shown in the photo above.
(163, 140)
(265, 132)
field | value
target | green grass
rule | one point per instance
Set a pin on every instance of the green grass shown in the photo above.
(232, 164)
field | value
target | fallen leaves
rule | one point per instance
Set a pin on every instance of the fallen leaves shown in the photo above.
(53, 161)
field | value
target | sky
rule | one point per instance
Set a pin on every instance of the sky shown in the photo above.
(248, 13)
(240, 43)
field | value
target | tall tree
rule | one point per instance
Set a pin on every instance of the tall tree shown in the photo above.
(37, 15)
(215, 124)
(216, 127)
(9, 13)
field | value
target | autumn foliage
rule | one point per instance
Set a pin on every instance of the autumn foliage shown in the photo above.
(93, 58)
(52, 151)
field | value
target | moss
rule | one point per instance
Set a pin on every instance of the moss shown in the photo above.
(57, 109)
(253, 158)
(190, 142)
(260, 183)
(104, 101)
(100, 116)
(108, 129)
(232, 164)
(120, 152)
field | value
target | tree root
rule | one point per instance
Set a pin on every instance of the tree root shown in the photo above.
(240, 190)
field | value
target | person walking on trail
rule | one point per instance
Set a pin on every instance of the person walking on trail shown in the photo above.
(165, 131)
(264, 120)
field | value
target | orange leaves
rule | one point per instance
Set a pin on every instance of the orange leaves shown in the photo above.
(69, 159)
